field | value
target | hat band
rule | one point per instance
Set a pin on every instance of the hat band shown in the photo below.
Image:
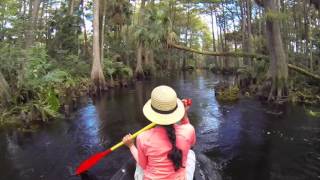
(164, 112)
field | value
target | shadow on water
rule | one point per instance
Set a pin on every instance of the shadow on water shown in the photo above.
(245, 141)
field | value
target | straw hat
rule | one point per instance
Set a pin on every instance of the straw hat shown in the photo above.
(164, 107)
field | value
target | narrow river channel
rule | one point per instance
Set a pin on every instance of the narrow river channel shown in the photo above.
(242, 138)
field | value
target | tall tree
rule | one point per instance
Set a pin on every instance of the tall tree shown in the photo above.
(85, 36)
(246, 13)
(97, 76)
(278, 69)
(140, 45)
(187, 26)
(212, 15)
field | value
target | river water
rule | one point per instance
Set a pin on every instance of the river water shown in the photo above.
(246, 141)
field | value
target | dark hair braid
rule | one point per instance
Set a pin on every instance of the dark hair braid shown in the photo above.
(175, 155)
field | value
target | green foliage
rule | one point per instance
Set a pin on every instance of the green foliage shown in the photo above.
(44, 82)
(119, 12)
(74, 65)
(11, 58)
(277, 16)
(116, 69)
(67, 30)
(257, 71)
(44, 107)
(229, 94)
(313, 113)
(37, 65)
(156, 26)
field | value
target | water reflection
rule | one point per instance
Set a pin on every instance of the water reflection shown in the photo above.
(89, 126)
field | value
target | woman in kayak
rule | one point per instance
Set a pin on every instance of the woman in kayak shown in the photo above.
(164, 151)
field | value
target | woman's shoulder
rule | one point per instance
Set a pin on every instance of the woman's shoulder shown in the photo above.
(146, 134)
(187, 126)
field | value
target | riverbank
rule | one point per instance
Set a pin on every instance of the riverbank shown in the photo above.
(248, 82)
(57, 101)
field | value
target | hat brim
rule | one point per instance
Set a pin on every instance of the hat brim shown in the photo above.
(164, 119)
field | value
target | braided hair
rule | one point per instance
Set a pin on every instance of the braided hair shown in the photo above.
(175, 154)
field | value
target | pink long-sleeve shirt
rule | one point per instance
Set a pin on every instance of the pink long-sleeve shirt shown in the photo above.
(153, 147)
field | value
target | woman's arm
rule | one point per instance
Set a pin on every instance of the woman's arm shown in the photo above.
(137, 153)
(185, 119)
(141, 154)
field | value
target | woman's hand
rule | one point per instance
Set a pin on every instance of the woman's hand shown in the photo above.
(187, 108)
(127, 140)
(187, 103)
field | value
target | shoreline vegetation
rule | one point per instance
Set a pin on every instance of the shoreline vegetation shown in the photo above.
(49, 56)
(250, 84)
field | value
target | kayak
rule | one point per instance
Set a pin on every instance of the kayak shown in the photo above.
(205, 169)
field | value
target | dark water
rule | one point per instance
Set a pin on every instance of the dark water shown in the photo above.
(246, 142)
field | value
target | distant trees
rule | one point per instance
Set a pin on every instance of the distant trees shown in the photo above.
(135, 34)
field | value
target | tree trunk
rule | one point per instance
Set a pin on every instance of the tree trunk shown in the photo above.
(146, 58)
(41, 22)
(212, 27)
(243, 27)
(214, 47)
(103, 24)
(71, 7)
(222, 59)
(4, 90)
(307, 34)
(184, 60)
(85, 39)
(246, 11)
(278, 69)
(24, 11)
(97, 76)
(169, 59)
(139, 69)
(224, 42)
(33, 15)
(151, 58)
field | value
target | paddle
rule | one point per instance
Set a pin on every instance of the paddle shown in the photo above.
(94, 159)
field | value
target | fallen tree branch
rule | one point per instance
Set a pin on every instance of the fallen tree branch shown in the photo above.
(303, 71)
(230, 54)
(241, 54)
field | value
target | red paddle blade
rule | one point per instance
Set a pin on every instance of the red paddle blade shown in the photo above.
(87, 164)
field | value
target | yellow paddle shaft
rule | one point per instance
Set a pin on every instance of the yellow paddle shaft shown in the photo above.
(134, 135)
